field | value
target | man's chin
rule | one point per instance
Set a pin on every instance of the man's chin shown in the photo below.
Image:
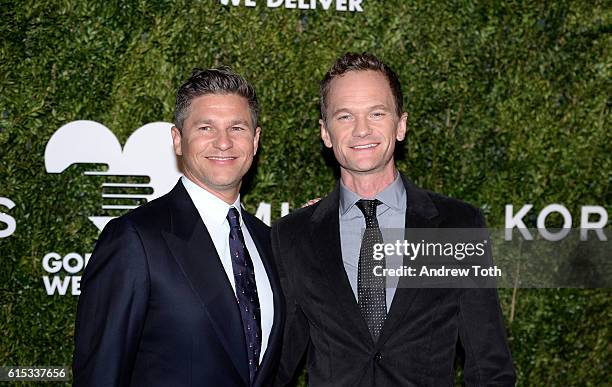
(224, 185)
(219, 185)
(365, 168)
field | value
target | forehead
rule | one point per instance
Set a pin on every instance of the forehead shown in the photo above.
(218, 107)
(360, 86)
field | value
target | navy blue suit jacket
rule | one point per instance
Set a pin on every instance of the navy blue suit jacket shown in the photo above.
(156, 306)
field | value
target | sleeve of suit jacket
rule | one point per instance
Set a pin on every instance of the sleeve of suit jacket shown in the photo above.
(111, 309)
(296, 335)
(482, 333)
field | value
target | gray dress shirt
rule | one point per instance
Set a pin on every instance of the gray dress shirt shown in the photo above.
(391, 216)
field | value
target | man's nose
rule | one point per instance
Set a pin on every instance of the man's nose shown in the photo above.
(223, 140)
(361, 128)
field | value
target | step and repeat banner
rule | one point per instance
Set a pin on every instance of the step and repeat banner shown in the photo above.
(508, 106)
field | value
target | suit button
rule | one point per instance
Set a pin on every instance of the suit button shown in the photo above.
(378, 357)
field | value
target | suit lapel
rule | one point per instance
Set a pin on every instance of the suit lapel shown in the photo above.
(325, 231)
(325, 235)
(420, 213)
(193, 249)
(261, 238)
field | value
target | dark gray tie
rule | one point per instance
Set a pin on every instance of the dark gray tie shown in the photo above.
(370, 288)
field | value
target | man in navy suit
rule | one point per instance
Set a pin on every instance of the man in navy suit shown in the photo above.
(182, 291)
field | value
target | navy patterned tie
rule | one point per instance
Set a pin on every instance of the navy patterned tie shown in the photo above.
(246, 291)
(370, 288)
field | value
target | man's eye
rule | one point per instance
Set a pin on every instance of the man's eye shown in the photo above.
(237, 128)
(344, 117)
(205, 128)
(378, 114)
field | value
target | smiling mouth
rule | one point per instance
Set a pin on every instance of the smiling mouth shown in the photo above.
(221, 158)
(365, 146)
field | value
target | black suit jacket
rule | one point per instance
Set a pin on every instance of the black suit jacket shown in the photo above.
(156, 306)
(418, 341)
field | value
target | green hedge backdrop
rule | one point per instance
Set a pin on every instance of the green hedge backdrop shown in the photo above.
(508, 102)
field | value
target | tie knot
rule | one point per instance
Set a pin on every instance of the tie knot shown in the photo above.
(233, 217)
(368, 207)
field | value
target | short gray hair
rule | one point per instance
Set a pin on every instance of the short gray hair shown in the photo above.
(222, 80)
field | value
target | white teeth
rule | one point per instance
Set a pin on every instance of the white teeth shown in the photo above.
(221, 158)
(365, 146)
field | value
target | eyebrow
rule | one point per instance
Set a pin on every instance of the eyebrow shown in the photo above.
(373, 107)
(380, 106)
(206, 121)
(239, 122)
(202, 121)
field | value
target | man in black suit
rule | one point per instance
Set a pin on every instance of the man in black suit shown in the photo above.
(354, 331)
(182, 291)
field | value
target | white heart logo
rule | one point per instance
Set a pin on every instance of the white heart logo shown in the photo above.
(147, 152)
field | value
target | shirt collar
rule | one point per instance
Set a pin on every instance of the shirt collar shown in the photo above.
(213, 210)
(393, 196)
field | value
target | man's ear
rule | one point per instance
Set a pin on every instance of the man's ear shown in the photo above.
(256, 140)
(176, 140)
(325, 134)
(402, 127)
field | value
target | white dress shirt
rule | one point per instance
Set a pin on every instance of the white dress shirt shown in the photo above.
(213, 212)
